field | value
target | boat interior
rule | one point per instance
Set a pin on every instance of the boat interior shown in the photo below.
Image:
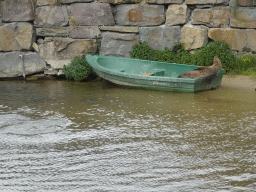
(144, 67)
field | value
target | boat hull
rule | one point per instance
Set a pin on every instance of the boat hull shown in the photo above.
(155, 82)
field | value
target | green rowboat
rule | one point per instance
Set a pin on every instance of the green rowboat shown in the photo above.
(151, 74)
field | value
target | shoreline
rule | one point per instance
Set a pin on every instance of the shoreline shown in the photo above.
(235, 81)
(239, 81)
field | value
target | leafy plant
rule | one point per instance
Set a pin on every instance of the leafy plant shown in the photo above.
(79, 70)
(205, 55)
(143, 51)
(98, 45)
(202, 57)
(245, 63)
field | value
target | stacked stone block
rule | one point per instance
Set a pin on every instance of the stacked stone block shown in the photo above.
(55, 31)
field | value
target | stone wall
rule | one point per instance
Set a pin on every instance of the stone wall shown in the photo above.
(40, 34)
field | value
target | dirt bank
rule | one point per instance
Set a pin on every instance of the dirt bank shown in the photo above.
(239, 81)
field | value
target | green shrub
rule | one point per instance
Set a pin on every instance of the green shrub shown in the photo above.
(245, 63)
(79, 70)
(205, 55)
(202, 57)
(143, 51)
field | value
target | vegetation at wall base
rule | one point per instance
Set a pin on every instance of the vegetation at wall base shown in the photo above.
(98, 45)
(79, 70)
(233, 64)
(245, 64)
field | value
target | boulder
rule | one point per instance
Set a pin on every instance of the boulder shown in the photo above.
(248, 3)
(78, 32)
(119, 1)
(193, 37)
(14, 64)
(16, 36)
(59, 2)
(48, 16)
(177, 14)
(202, 16)
(117, 44)
(52, 32)
(0, 13)
(160, 37)
(91, 14)
(220, 16)
(58, 51)
(238, 39)
(243, 17)
(1, 7)
(125, 29)
(215, 17)
(140, 15)
(164, 1)
(35, 47)
(251, 40)
(40, 3)
(18, 10)
(214, 2)
(75, 1)
(84, 32)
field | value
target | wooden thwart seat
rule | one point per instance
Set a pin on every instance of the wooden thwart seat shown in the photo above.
(148, 74)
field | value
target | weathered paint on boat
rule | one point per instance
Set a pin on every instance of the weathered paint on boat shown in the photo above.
(129, 72)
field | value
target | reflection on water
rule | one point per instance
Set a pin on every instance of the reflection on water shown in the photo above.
(67, 136)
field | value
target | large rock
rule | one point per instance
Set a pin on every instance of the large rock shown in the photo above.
(84, 32)
(59, 2)
(220, 16)
(238, 39)
(207, 2)
(91, 14)
(202, 16)
(48, 16)
(14, 64)
(177, 14)
(75, 1)
(140, 15)
(193, 37)
(58, 51)
(251, 40)
(247, 3)
(243, 17)
(1, 7)
(215, 17)
(165, 1)
(16, 36)
(52, 32)
(125, 29)
(160, 37)
(18, 10)
(78, 32)
(117, 44)
(40, 3)
(119, 1)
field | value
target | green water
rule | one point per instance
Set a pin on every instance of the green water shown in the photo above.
(67, 136)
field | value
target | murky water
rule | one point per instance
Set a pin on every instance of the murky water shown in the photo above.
(67, 136)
